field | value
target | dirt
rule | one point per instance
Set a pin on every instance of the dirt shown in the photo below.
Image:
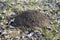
(30, 19)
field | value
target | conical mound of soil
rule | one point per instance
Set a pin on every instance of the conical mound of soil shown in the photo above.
(31, 19)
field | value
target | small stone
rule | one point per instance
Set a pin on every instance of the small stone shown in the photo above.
(51, 22)
(29, 35)
(11, 22)
(23, 37)
(11, 26)
(1, 31)
(49, 28)
(4, 11)
(58, 21)
(3, 17)
(18, 37)
(13, 3)
(30, 31)
(5, 32)
(7, 36)
(6, 23)
(1, 24)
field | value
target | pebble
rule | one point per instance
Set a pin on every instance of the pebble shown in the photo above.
(12, 20)
(7, 36)
(1, 31)
(4, 11)
(13, 3)
(5, 32)
(3, 17)
(23, 37)
(11, 26)
(29, 35)
(49, 28)
(18, 37)
(58, 21)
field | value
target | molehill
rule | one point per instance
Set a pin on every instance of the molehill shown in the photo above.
(30, 19)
